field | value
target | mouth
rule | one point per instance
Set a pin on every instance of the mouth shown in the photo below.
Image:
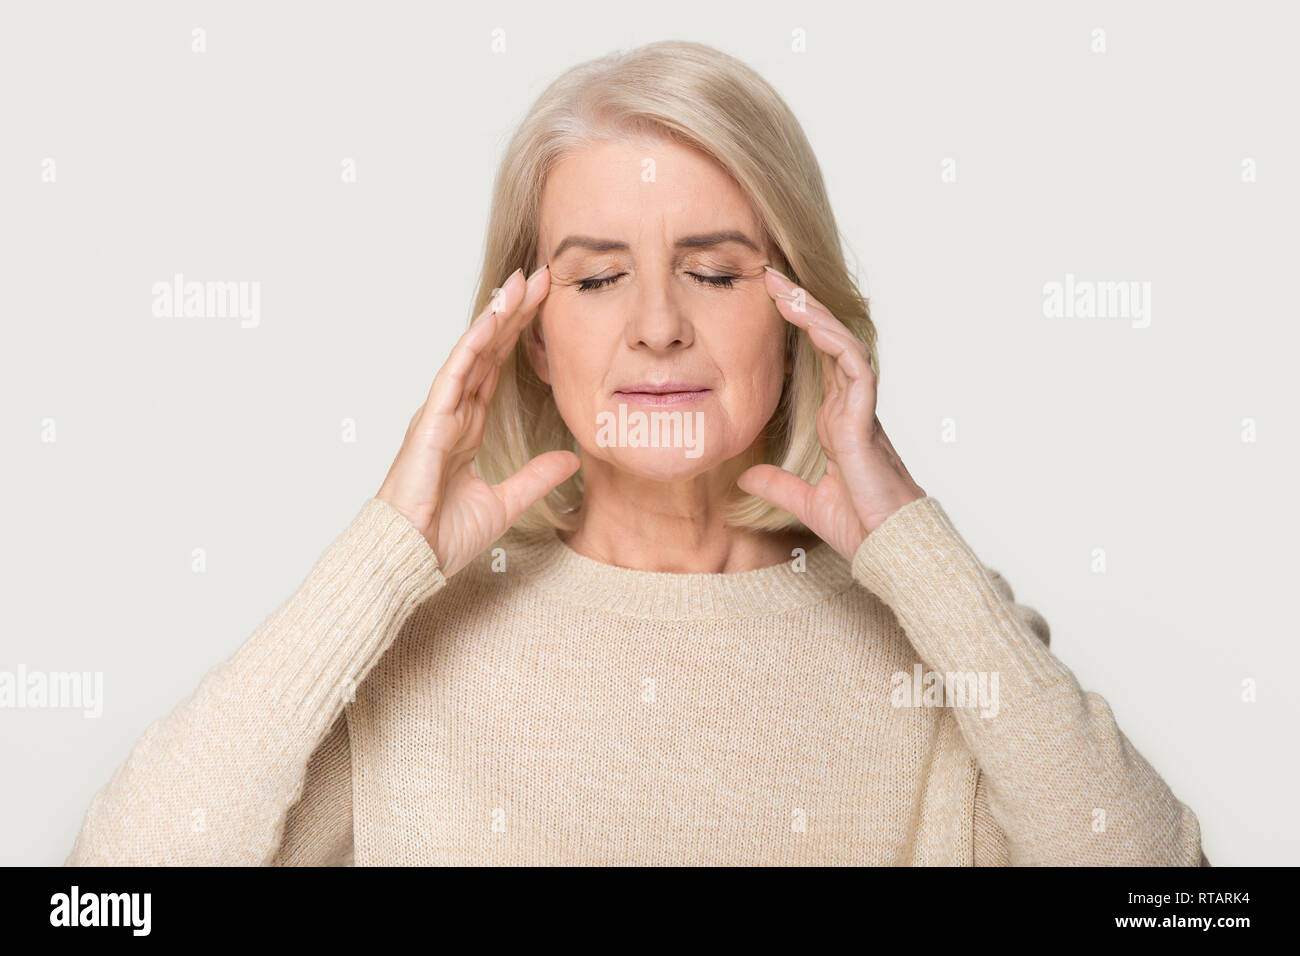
(659, 396)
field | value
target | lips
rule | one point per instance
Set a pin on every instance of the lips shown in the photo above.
(662, 394)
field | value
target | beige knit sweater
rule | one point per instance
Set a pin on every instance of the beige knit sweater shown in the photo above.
(544, 708)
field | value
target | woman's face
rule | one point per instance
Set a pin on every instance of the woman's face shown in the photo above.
(642, 237)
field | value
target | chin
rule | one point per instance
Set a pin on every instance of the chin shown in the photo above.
(659, 464)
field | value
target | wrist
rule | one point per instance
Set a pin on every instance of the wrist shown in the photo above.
(875, 519)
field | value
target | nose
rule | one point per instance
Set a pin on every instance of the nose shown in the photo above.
(657, 322)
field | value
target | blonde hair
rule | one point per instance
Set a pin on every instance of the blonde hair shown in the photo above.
(703, 98)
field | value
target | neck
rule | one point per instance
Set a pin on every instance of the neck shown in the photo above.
(633, 522)
(545, 562)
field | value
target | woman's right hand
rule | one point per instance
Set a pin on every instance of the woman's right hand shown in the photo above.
(433, 480)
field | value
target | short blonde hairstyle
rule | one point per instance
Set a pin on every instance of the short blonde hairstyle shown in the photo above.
(701, 97)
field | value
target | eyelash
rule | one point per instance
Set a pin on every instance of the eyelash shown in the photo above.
(718, 282)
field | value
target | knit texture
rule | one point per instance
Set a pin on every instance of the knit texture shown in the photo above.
(541, 707)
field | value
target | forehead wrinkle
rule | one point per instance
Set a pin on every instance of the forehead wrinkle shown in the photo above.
(681, 200)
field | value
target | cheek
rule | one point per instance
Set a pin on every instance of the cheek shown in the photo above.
(577, 355)
(751, 351)
(750, 363)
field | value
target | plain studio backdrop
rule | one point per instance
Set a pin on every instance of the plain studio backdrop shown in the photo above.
(169, 481)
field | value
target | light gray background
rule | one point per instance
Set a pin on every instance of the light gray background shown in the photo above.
(1072, 435)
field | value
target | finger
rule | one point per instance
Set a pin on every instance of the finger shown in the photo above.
(449, 385)
(822, 328)
(534, 481)
(792, 309)
(804, 310)
(836, 374)
(782, 289)
(489, 339)
(472, 418)
(536, 290)
(834, 379)
(503, 312)
(817, 334)
(511, 323)
(778, 487)
(483, 394)
(850, 355)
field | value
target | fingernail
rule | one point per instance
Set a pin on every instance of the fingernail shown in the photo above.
(782, 275)
(534, 279)
(509, 279)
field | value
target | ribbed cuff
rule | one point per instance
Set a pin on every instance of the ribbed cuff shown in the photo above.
(1052, 753)
(919, 565)
(309, 656)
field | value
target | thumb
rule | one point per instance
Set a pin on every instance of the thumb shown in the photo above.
(534, 481)
(777, 487)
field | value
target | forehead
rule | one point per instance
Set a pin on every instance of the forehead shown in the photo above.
(621, 188)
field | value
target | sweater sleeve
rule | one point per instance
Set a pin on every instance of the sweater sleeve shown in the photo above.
(318, 831)
(1064, 785)
(989, 842)
(213, 782)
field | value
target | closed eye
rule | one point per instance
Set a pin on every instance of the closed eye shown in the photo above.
(586, 285)
(719, 282)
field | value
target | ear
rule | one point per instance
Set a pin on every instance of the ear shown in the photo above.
(535, 346)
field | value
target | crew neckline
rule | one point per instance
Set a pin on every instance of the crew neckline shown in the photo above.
(544, 560)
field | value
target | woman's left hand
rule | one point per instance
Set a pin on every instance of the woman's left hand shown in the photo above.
(865, 480)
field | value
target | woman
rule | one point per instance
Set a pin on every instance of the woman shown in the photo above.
(647, 582)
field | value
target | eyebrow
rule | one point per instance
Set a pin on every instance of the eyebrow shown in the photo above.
(701, 241)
